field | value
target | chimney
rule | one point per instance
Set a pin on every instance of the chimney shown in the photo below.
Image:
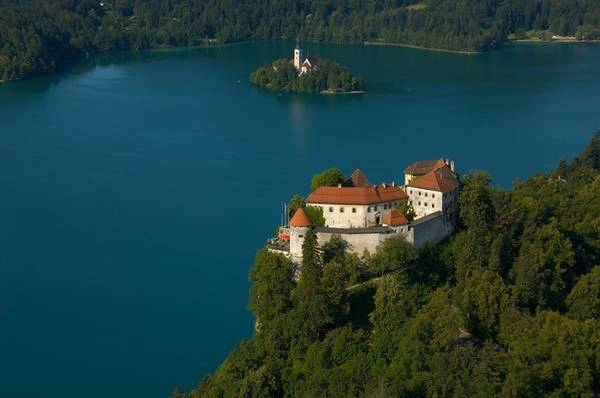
(383, 184)
(339, 185)
(393, 183)
(452, 166)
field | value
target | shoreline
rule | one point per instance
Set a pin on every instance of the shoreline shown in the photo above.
(556, 41)
(441, 50)
(332, 92)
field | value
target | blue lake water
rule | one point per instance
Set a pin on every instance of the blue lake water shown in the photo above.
(135, 189)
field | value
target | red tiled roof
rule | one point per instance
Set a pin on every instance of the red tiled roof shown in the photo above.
(300, 219)
(394, 217)
(424, 166)
(358, 179)
(440, 180)
(356, 195)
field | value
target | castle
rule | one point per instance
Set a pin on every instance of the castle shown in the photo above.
(364, 214)
(305, 65)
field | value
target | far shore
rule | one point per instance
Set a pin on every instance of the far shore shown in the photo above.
(333, 92)
(558, 41)
(441, 50)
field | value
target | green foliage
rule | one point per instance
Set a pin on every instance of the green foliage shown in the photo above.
(584, 300)
(392, 254)
(328, 178)
(311, 312)
(543, 270)
(270, 294)
(315, 214)
(334, 249)
(296, 202)
(281, 75)
(407, 209)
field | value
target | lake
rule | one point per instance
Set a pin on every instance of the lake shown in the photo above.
(136, 188)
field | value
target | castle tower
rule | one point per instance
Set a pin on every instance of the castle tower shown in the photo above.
(299, 226)
(297, 56)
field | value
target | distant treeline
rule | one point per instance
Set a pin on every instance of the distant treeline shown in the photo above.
(329, 76)
(43, 36)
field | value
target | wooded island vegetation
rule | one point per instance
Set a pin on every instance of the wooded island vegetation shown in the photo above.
(508, 306)
(330, 77)
(39, 37)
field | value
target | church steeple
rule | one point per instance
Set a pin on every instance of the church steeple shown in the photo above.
(297, 55)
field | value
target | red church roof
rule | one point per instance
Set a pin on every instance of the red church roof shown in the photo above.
(358, 179)
(356, 195)
(440, 180)
(394, 217)
(300, 219)
(424, 166)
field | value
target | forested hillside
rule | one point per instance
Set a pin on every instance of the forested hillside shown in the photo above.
(508, 306)
(42, 36)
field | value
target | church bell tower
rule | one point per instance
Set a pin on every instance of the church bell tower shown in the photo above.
(297, 55)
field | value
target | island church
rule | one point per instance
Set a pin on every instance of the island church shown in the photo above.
(364, 214)
(304, 65)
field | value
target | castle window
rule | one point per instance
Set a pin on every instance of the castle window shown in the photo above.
(425, 204)
(341, 209)
(301, 236)
(432, 205)
(419, 193)
(419, 203)
(369, 209)
(433, 195)
(425, 194)
(331, 209)
(376, 208)
(411, 191)
(354, 210)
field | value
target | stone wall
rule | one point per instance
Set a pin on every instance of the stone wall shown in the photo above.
(357, 240)
(430, 228)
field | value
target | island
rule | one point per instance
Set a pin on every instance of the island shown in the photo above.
(306, 75)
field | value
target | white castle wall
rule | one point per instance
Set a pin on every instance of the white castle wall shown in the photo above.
(355, 243)
(353, 216)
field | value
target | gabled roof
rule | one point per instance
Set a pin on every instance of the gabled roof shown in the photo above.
(310, 62)
(356, 195)
(300, 219)
(358, 179)
(424, 166)
(394, 217)
(440, 180)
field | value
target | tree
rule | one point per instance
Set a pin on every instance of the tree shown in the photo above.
(590, 156)
(315, 213)
(407, 209)
(296, 202)
(311, 313)
(475, 204)
(543, 270)
(335, 278)
(270, 294)
(388, 317)
(484, 299)
(328, 178)
(393, 254)
(584, 300)
(334, 249)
